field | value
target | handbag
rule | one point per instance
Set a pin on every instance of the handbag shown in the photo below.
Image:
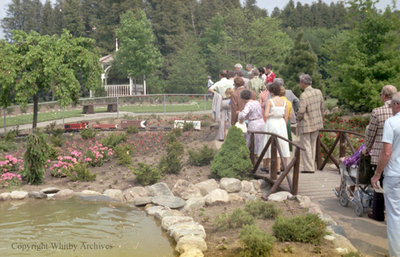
(241, 126)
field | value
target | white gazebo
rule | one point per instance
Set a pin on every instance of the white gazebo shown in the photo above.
(121, 89)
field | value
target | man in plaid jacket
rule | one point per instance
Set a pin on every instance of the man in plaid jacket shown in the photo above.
(309, 121)
(373, 142)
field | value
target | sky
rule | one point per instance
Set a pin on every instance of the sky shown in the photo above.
(265, 4)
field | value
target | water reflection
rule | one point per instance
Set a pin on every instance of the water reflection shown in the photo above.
(78, 228)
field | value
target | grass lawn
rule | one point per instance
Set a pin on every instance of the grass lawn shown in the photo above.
(57, 115)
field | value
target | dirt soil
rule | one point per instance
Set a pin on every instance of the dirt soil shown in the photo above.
(226, 243)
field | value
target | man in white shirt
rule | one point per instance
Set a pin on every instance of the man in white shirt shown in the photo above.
(389, 164)
(220, 87)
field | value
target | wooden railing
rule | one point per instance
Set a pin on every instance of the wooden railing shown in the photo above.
(275, 149)
(342, 139)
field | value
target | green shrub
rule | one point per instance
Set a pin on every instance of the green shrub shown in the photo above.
(307, 228)
(187, 126)
(7, 146)
(114, 139)
(255, 242)
(123, 153)
(57, 140)
(237, 219)
(177, 132)
(80, 172)
(233, 158)
(201, 157)
(171, 162)
(146, 175)
(53, 152)
(263, 210)
(35, 158)
(88, 133)
(351, 254)
(132, 130)
(10, 136)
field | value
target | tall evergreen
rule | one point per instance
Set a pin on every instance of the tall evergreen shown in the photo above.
(300, 59)
(48, 22)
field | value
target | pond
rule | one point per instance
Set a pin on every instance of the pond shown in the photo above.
(75, 227)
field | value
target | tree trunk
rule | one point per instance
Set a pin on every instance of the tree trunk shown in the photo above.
(35, 111)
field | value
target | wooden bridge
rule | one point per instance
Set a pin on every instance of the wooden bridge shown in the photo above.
(315, 185)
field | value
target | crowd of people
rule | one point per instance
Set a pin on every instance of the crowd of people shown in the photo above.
(255, 96)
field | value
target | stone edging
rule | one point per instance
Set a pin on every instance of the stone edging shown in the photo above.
(170, 206)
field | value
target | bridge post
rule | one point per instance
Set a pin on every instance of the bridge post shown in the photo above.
(342, 145)
(318, 153)
(252, 154)
(296, 172)
(274, 158)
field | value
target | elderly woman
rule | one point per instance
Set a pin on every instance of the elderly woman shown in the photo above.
(253, 113)
(237, 103)
(256, 84)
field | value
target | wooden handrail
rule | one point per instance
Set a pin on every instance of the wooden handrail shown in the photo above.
(275, 149)
(341, 136)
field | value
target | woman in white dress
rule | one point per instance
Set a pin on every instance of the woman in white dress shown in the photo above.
(276, 114)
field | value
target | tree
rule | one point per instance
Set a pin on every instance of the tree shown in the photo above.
(188, 71)
(300, 59)
(56, 63)
(138, 55)
(8, 73)
(364, 59)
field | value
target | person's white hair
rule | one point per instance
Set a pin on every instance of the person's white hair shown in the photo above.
(306, 79)
(396, 98)
(238, 65)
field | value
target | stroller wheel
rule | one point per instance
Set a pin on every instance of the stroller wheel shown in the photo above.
(343, 199)
(358, 209)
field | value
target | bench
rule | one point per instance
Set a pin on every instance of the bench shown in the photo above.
(89, 108)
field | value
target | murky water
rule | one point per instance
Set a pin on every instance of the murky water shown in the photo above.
(79, 228)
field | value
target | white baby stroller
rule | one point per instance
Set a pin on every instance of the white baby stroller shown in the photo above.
(355, 185)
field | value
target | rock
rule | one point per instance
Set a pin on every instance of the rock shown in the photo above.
(207, 186)
(256, 184)
(158, 189)
(185, 189)
(18, 195)
(186, 229)
(188, 242)
(247, 196)
(194, 203)
(217, 196)
(248, 187)
(344, 243)
(314, 209)
(172, 202)
(230, 185)
(193, 252)
(50, 190)
(142, 201)
(329, 237)
(171, 220)
(37, 195)
(5, 196)
(131, 194)
(156, 209)
(64, 193)
(114, 194)
(279, 196)
(168, 213)
(89, 192)
(235, 197)
(304, 201)
(96, 198)
(329, 221)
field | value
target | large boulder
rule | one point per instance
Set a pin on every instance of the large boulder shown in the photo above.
(188, 242)
(153, 210)
(186, 229)
(172, 202)
(193, 252)
(114, 194)
(159, 189)
(185, 189)
(171, 220)
(37, 195)
(90, 192)
(207, 186)
(142, 201)
(18, 195)
(230, 185)
(132, 193)
(64, 193)
(50, 190)
(5, 196)
(217, 196)
(248, 187)
(280, 196)
(194, 203)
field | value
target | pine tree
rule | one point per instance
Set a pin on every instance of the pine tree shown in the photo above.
(300, 59)
(188, 71)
